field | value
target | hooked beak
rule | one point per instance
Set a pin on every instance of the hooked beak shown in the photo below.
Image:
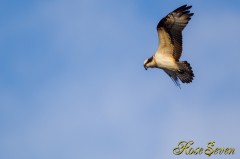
(145, 67)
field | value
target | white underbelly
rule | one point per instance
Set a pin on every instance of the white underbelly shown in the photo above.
(166, 62)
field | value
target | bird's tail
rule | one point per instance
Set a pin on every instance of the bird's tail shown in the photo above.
(185, 73)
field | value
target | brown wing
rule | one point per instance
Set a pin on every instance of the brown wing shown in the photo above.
(170, 30)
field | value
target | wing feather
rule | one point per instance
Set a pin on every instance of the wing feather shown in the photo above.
(170, 31)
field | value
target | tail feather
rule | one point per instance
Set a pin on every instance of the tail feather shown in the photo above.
(185, 73)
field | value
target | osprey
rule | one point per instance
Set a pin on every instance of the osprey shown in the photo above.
(170, 46)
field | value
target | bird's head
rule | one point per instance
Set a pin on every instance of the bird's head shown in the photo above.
(148, 63)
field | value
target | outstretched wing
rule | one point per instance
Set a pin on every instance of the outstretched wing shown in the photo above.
(170, 30)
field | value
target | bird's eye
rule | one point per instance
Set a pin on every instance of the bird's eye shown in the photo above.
(150, 59)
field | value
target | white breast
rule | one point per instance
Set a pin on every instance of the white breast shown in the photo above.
(164, 61)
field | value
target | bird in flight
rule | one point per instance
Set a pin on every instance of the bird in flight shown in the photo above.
(170, 46)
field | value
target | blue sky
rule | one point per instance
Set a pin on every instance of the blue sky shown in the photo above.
(72, 81)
